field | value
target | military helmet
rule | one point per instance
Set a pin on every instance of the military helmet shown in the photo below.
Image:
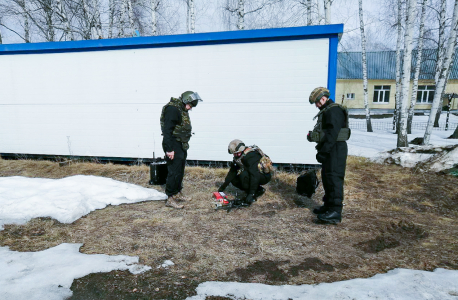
(317, 94)
(191, 98)
(235, 146)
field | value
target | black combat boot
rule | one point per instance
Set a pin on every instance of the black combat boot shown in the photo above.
(320, 210)
(330, 217)
(259, 192)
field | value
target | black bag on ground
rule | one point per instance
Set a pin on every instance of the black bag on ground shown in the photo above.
(158, 171)
(307, 183)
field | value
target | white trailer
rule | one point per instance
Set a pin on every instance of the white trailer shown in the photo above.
(103, 98)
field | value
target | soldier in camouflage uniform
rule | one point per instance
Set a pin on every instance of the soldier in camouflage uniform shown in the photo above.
(176, 131)
(250, 169)
(330, 133)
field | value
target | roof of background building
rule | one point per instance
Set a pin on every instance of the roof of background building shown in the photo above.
(382, 65)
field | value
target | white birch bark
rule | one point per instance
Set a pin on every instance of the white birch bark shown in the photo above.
(88, 17)
(111, 11)
(96, 19)
(192, 16)
(406, 66)
(440, 55)
(309, 12)
(413, 98)
(63, 14)
(318, 9)
(48, 9)
(154, 8)
(398, 69)
(327, 11)
(1, 40)
(26, 24)
(442, 78)
(364, 63)
(131, 17)
(122, 19)
(241, 14)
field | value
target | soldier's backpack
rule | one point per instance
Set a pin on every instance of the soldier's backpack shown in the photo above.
(307, 183)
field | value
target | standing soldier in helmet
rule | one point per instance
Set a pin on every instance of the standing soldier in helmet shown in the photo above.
(330, 134)
(250, 169)
(176, 130)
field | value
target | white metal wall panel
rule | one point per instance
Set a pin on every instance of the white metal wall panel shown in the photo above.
(108, 103)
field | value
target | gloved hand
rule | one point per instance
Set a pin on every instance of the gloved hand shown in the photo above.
(220, 190)
(309, 136)
(250, 199)
(321, 157)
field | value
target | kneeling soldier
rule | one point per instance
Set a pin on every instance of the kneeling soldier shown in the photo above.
(250, 169)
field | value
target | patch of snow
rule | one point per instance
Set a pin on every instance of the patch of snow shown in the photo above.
(166, 264)
(403, 284)
(49, 274)
(65, 200)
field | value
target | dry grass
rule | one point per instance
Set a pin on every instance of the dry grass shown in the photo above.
(393, 218)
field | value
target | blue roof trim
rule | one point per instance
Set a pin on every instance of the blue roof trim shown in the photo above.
(332, 66)
(225, 37)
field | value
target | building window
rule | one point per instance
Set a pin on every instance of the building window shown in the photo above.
(350, 96)
(425, 93)
(382, 93)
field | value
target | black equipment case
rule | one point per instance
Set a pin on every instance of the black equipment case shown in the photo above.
(158, 171)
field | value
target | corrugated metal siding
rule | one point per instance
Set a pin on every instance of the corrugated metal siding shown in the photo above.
(382, 65)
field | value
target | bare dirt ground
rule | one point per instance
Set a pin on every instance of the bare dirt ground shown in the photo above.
(393, 218)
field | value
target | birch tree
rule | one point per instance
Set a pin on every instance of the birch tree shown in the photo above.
(309, 12)
(154, 9)
(364, 63)
(111, 14)
(1, 40)
(131, 17)
(191, 16)
(327, 11)
(398, 68)
(444, 71)
(406, 67)
(96, 19)
(63, 16)
(417, 66)
(440, 56)
(122, 18)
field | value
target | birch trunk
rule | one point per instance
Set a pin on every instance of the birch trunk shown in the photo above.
(48, 9)
(398, 69)
(88, 20)
(442, 78)
(241, 15)
(96, 19)
(111, 11)
(309, 12)
(417, 67)
(364, 62)
(406, 66)
(1, 40)
(131, 17)
(154, 8)
(63, 14)
(192, 16)
(26, 26)
(122, 19)
(23, 5)
(327, 11)
(318, 11)
(440, 56)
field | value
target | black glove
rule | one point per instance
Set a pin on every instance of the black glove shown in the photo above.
(309, 136)
(220, 190)
(250, 199)
(321, 157)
